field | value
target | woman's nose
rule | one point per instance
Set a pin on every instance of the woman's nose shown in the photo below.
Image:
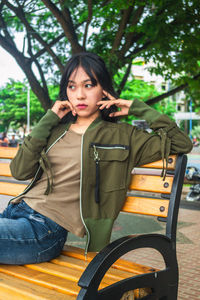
(80, 93)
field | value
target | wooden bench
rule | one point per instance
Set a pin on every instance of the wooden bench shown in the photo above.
(106, 275)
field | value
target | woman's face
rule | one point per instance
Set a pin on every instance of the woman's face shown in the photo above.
(83, 95)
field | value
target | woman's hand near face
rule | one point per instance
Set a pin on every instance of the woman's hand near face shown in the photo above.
(124, 105)
(61, 108)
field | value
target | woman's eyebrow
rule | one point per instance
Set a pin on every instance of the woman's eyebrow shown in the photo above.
(86, 80)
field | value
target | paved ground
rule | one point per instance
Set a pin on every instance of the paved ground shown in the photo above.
(188, 252)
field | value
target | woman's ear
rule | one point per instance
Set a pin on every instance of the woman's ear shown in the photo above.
(104, 96)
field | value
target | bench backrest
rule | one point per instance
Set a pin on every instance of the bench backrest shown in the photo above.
(148, 193)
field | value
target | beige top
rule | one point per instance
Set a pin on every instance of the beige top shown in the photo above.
(62, 205)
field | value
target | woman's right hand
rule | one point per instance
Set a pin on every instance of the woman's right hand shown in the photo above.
(61, 108)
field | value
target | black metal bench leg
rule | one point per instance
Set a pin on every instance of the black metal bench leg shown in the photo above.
(173, 293)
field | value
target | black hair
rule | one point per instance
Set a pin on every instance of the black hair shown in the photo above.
(95, 68)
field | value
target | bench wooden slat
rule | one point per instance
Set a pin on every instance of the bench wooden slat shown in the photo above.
(43, 274)
(41, 279)
(68, 273)
(120, 264)
(148, 183)
(14, 288)
(146, 206)
(139, 183)
(79, 264)
(7, 152)
(11, 189)
(5, 169)
(159, 164)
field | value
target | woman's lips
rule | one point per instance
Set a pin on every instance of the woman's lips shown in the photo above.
(81, 106)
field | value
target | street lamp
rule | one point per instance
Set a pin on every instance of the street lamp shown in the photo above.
(190, 109)
(28, 109)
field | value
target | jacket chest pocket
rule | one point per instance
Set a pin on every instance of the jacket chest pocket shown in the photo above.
(108, 166)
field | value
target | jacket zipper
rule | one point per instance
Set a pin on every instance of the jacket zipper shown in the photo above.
(81, 179)
(108, 147)
(97, 159)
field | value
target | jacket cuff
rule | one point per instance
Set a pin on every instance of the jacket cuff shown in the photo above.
(43, 128)
(143, 111)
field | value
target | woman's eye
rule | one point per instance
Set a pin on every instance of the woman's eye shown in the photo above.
(72, 87)
(89, 85)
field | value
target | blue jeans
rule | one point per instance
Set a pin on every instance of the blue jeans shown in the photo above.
(27, 237)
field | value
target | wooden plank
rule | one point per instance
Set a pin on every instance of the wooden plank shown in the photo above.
(53, 276)
(26, 283)
(11, 189)
(159, 163)
(146, 206)
(14, 288)
(74, 263)
(72, 274)
(5, 170)
(57, 270)
(120, 264)
(8, 152)
(41, 279)
(150, 183)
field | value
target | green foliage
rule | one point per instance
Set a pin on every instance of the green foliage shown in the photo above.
(196, 132)
(135, 88)
(167, 107)
(13, 105)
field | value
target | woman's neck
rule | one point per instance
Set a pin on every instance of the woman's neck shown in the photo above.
(81, 125)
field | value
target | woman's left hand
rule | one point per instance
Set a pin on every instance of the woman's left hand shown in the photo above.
(123, 104)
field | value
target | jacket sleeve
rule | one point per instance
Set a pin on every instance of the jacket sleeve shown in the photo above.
(26, 162)
(166, 139)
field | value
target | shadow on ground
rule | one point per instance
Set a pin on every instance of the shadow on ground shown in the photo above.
(127, 224)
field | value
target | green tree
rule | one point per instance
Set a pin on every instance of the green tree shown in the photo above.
(13, 105)
(167, 32)
(135, 88)
(196, 132)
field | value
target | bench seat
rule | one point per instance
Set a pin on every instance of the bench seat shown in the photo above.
(60, 276)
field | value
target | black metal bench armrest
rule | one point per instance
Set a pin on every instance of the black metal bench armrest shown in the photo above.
(97, 268)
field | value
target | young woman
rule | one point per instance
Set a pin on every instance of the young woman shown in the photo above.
(80, 160)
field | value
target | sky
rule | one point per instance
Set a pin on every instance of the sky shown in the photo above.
(9, 68)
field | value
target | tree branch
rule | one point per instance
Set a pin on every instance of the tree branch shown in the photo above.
(106, 2)
(66, 22)
(88, 22)
(19, 12)
(51, 44)
(130, 37)
(122, 26)
(137, 50)
(124, 79)
(37, 64)
(170, 93)
(5, 31)
(8, 44)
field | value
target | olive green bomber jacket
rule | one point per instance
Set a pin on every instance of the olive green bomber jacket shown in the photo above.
(109, 152)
